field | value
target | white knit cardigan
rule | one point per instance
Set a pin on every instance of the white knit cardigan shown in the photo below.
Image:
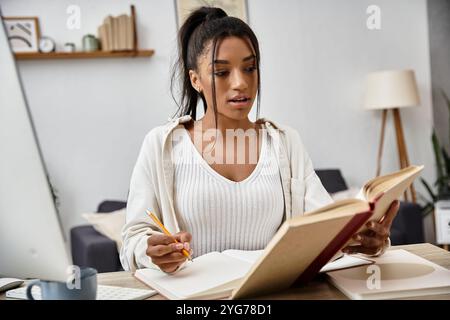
(152, 188)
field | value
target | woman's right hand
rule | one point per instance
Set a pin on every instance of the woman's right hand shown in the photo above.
(167, 254)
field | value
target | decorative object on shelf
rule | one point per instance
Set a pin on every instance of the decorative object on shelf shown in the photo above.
(23, 33)
(234, 8)
(90, 43)
(69, 47)
(118, 33)
(127, 42)
(392, 89)
(46, 45)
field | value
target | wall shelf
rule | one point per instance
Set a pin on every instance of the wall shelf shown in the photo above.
(83, 55)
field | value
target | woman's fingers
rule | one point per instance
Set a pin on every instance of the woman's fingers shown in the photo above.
(162, 250)
(174, 257)
(360, 249)
(368, 244)
(167, 254)
(391, 213)
(160, 245)
(369, 241)
(374, 239)
(185, 238)
(156, 239)
(170, 267)
(379, 229)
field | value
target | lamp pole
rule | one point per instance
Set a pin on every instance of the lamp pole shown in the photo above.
(401, 147)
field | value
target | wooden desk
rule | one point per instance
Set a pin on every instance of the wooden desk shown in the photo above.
(316, 290)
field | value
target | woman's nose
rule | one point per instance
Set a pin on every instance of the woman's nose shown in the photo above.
(238, 81)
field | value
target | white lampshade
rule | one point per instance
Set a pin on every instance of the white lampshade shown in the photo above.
(391, 89)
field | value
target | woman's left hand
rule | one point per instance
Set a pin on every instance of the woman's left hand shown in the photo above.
(375, 238)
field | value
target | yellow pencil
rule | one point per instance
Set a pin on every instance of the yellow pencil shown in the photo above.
(163, 229)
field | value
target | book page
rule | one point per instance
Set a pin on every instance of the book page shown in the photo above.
(204, 273)
(249, 256)
(346, 261)
(361, 195)
(383, 190)
(381, 184)
(336, 209)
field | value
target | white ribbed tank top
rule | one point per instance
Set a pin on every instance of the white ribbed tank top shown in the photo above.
(222, 214)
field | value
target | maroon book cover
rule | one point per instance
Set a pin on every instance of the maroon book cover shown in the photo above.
(334, 246)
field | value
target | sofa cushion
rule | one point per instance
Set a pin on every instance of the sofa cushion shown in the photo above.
(110, 225)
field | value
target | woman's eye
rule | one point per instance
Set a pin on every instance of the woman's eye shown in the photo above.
(250, 69)
(220, 73)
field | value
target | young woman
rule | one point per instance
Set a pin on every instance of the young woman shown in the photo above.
(222, 181)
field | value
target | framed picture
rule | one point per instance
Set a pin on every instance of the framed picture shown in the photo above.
(234, 8)
(23, 33)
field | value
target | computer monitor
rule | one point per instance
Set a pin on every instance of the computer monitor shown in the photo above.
(31, 238)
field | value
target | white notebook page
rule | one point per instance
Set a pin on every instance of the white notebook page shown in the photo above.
(205, 272)
(247, 255)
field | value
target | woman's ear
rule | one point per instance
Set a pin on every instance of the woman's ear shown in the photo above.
(195, 80)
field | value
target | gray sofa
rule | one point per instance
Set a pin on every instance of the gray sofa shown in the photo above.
(92, 249)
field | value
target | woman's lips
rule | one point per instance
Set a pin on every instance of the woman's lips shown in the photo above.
(240, 104)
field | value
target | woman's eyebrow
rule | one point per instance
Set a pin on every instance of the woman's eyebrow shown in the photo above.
(228, 62)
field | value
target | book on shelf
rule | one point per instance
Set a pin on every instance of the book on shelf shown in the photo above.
(299, 250)
(397, 274)
(117, 33)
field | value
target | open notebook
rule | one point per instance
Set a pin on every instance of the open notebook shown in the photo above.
(216, 274)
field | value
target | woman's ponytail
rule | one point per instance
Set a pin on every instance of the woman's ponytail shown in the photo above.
(186, 60)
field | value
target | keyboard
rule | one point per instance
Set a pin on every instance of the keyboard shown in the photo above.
(103, 293)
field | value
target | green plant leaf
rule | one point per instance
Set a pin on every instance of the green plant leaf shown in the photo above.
(437, 155)
(428, 188)
(441, 181)
(447, 100)
(427, 210)
(446, 161)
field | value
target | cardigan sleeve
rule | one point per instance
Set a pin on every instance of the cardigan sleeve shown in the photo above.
(139, 227)
(312, 193)
(316, 195)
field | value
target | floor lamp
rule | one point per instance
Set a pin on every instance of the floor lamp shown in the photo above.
(392, 90)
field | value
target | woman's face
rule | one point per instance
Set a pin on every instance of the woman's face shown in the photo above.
(236, 77)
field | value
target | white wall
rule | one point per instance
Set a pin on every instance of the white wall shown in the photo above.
(91, 115)
(316, 55)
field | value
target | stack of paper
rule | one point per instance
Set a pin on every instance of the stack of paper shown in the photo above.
(396, 274)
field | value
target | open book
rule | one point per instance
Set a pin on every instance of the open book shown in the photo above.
(302, 246)
(215, 274)
(381, 191)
